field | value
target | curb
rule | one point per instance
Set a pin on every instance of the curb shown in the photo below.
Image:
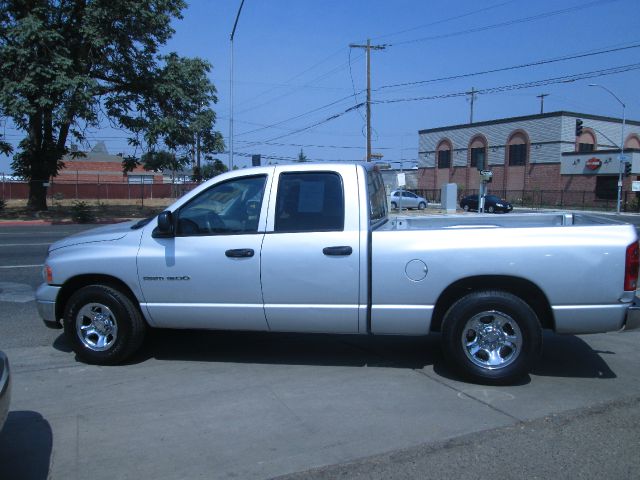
(36, 223)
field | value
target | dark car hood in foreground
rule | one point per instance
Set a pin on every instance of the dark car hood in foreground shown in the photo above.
(5, 388)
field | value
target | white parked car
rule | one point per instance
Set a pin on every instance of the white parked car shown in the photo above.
(404, 199)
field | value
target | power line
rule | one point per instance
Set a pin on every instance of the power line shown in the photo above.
(485, 91)
(296, 117)
(316, 146)
(327, 74)
(506, 23)
(295, 76)
(445, 20)
(512, 67)
(309, 127)
(519, 86)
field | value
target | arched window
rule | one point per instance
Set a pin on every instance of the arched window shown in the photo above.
(443, 153)
(632, 142)
(518, 148)
(586, 142)
(478, 152)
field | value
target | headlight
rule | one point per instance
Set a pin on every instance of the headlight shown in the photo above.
(499, 205)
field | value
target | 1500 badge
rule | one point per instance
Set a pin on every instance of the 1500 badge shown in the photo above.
(184, 278)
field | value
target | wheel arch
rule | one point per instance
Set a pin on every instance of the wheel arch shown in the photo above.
(520, 287)
(75, 283)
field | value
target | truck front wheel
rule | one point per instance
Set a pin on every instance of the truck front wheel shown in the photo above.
(491, 336)
(103, 325)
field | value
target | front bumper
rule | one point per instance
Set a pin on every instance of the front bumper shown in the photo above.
(46, 303)
(632, 320)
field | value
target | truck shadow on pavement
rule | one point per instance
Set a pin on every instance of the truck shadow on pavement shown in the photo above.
(562, 355)
(290, 348)
(25, 446)
(571, 356)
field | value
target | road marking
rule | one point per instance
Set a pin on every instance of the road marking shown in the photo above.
(23, 244)
(20, 266)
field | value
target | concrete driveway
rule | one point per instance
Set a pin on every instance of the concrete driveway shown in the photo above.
(220, 405)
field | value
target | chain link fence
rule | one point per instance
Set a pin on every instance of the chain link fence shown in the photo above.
(560, 199)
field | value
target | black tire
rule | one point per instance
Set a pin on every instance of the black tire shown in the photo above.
(394, 206)
(491, 209)
(465, 207)
(512, 333)
(422, 206)
(113, 325)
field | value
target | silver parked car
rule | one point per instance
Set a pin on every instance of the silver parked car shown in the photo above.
(5, 388)
(405, 199)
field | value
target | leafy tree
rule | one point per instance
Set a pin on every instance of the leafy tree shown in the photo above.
(5, 147)
(212, 169)
(65, 64)
(302, 157)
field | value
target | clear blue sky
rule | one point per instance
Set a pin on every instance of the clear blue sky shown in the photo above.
(293, 57)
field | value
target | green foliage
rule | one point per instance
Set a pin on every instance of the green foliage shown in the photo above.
(302, 157)
(81, 212)
(3, 204)
(5, 148)
(66, 64)
(158, 161)
(212, 169)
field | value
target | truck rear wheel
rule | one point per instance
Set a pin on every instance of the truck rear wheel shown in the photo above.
(103, 325)
(491, 336)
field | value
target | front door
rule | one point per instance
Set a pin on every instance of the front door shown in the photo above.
(208, 275)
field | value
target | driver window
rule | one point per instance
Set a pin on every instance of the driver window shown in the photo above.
(228, 208)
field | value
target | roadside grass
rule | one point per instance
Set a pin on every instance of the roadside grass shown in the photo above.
(97, 210)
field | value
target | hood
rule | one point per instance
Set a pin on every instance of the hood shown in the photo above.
(101, 234)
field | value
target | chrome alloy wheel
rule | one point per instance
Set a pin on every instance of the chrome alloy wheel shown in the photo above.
(492, 340)
(96, 327)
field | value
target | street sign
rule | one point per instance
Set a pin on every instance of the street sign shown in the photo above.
(401, 180)
(635, 186)
(486, 176)
(623, 158)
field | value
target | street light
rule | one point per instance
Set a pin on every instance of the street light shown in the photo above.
(621, 142)
(233, 32)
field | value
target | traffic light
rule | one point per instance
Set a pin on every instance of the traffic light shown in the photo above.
(578, 127)
(627, 169)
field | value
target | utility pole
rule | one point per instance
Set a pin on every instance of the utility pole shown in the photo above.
(541, 97)
(473, 98)
(368, 47)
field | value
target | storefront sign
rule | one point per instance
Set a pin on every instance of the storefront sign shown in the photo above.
(593, 163)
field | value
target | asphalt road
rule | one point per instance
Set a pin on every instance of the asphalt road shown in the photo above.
(229, 405)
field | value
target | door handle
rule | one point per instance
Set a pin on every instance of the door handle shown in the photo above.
(239, 253)
(337, 251)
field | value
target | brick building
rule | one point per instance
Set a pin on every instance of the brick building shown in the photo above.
(531, 153)
(99, 166)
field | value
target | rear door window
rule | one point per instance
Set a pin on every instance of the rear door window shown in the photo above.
(309, 202)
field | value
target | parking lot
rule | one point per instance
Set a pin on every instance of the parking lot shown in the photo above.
(251, 405)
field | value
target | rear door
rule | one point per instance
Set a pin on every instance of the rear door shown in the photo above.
(311, 251)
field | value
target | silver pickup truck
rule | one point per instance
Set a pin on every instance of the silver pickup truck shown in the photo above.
(310, 248)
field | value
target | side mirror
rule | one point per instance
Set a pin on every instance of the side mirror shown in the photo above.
(165, 225)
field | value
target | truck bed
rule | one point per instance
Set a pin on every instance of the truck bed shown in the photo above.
(473, 221)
